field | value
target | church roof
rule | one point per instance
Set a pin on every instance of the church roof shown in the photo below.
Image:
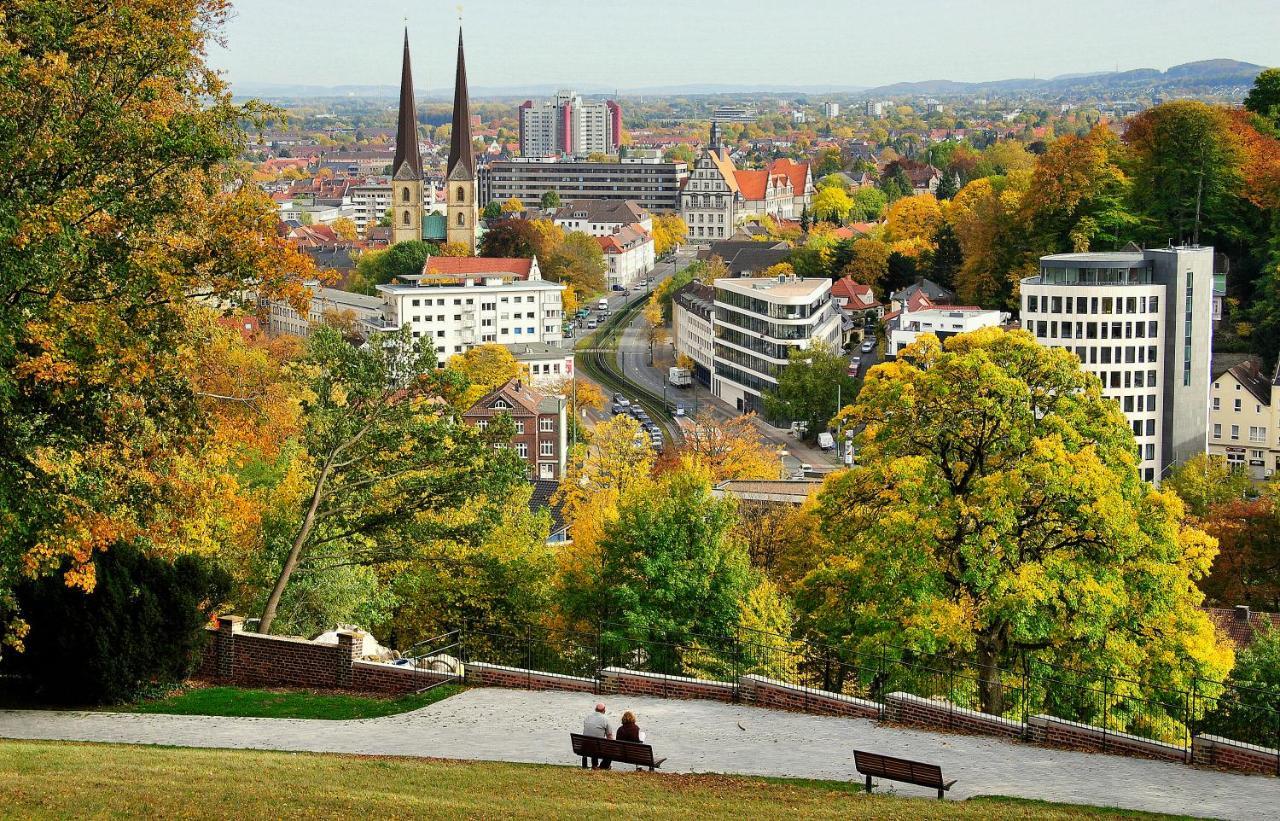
(407, 164)
(462, 164)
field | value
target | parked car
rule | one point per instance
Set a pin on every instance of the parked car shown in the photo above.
(853, 368)
(591, 324)
(826, 441)
(617, 287)
(619, 399)
(618, 410)
(869, 345)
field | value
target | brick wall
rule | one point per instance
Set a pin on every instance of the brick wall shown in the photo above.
(1058, 732)
(1215, 751)
(904, 708)
(768, 692)
(495, 675)
(634, 683)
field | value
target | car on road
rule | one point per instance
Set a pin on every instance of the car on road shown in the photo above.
(853, 368)
(591, 324)
(618, 410)
(602, 305)
(869, 345)
(619, 399)
(826, 441)
(617, 287)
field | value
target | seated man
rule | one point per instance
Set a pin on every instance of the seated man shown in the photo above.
(596, 725)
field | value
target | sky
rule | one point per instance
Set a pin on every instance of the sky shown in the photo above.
(647, 43)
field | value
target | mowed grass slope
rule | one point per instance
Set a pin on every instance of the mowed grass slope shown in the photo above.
(55, 779)
(239, 701)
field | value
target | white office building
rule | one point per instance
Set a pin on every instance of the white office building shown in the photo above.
(758, 323)
(693, 312)
(1141, 321)
(942, 322)
(460, 302)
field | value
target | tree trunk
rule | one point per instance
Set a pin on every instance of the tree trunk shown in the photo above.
(295, 552)
(990, 685)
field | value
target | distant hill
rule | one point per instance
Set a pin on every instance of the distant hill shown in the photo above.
(1202, 76)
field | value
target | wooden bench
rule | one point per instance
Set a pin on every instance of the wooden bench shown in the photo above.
(626, 752)
(900, 769)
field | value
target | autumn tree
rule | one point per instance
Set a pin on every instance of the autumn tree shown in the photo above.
(1078, 196)
(832, 203)
(912, 218)
(669, 231)
(381, 267)
(984, 218)
(345, 229)
(485, 367)
(1206, 481)
(388, 463)
(781, 269)
(729, 449)
(1247, 710)
(811, 388)
(870, 263)
(550, 199)
(512, 205)
(578, 262)
(1263, 98)
(119, 203)
(1008, 487)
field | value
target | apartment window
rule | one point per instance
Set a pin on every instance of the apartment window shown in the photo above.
(1236, 407)
(1235, 431)
(547, 425)
(1257, 434)
(522, 449)
(1151, 427)
(1149, 452)
(547, 449)
(1217, 431)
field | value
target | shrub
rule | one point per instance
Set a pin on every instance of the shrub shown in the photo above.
(142, 625)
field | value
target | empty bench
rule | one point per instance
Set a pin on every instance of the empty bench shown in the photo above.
(626, 752)
(900, 769)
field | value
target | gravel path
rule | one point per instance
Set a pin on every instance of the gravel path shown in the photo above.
(696, 736)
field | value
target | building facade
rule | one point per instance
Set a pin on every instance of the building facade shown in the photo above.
(546, 366)
(541, 428)
(628, 255)
(693, 312)
(457, 303)
(1243, 416)
(758, 323)
(600, 218)
(1141, 321)
(567, 125)
(283, 318)
(654, 186)
(942, 322)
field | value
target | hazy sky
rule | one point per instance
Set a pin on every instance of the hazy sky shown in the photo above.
(641, 43)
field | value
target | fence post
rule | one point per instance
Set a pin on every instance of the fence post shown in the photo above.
(1026, 693)
(737, 661)
(528, 658)
(1106, 707)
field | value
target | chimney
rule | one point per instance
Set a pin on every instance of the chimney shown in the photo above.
(1242, 613)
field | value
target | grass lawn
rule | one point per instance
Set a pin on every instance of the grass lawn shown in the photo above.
(238, 701)
(55, 779)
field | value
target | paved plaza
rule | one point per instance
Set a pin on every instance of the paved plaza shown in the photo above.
(695, 736)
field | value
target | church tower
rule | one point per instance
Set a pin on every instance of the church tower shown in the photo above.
(406, 168)
(460, 174)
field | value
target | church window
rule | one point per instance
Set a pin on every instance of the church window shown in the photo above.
(406, 218)
(461, 194)
(462, 220)
(404, 194)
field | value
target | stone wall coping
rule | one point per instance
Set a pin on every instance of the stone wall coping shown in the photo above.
(399, 668)
(483, 665)
(1220, 741)
(702, 682)
(268, 637)
(1162, 746)
(954, 709)
(814, 691)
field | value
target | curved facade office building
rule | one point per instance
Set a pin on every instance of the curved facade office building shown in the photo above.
(1141, 321)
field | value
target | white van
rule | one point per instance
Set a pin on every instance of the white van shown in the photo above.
(602, 305)
(826, 441)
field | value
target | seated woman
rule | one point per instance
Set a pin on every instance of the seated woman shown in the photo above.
(629, 731)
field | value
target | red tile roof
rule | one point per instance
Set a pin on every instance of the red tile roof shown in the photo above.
(797, 172)
(752, 184)
(461, 266)
(1242, 626)
(859, 295)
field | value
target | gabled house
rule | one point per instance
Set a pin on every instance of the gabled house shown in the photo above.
(541, 424)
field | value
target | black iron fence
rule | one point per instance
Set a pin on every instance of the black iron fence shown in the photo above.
(1009, 695)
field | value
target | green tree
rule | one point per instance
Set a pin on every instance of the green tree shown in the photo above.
(388, 464)
(579, 262)
(492, 211)
(1205, 481)
(811, 388)
(670, 570)
(868, 204)
(1186, 170)
(948, 187)
(1008, 488)
(550, 199)
(1078, 196)
(381, 267)
(1247, 711)
(1264, 98)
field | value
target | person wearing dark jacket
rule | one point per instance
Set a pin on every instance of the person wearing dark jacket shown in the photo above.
(629, 730)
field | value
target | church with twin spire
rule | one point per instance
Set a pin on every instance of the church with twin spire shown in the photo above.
(408, 177)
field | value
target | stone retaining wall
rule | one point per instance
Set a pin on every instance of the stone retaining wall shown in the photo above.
(495, 675)
(1058, 732)
(634, 683)
(768, 692)
(904, 708)
(1215, 751)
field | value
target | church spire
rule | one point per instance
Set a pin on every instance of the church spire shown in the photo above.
(461, 162)
(408, 159)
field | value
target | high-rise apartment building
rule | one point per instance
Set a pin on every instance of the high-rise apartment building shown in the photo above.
(567, 125)
(1141, 321)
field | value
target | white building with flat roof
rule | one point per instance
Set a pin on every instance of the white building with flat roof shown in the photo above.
(283, 318)
(1141, 321)
(758, 323)
(942, 321)
(457, 303)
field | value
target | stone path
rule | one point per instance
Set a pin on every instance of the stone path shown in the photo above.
(697, 736)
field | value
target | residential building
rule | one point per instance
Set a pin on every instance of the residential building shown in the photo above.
(547, 366)
(758, 323)
(1140, 321)
(943, 322)
(1242, 417)
(693, 310)
(457, 303)
(875, 108)
(541, 426)
(768, 492)
(831, 110)
(1241, 625)
(283, 318)
(652, 184)
(920, 294)
(734, 113)
(567, 125)
(628, 254)
(372, 198)
(600, 218)
(717, 194)
(858, 305)
(798, 117)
